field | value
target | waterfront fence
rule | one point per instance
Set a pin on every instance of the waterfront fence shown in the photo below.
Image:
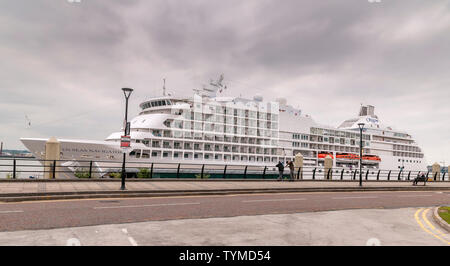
(21, 168)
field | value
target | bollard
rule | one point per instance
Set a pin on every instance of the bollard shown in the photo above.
(367, 174)
(314, 174)
(354, 175)
(342, 174)
(178, 171)
(298, 162)
(443, 177)
(409, 175)
(436, 170)
(328, 165)
(378, 175)
(399, 173)
(52, 154)
(389, 176)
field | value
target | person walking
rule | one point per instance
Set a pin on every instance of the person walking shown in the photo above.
(291, 170)
(280, 170)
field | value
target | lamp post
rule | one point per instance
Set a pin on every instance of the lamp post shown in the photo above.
(403, 167)
(127, 92)
(361, 126)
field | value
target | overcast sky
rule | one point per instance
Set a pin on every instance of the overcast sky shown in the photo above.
(63, 64)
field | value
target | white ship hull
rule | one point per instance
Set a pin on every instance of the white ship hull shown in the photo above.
(207, 129)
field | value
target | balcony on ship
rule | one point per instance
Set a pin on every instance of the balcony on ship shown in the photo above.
(156, 144)
(197, 147)
(177, 145)
(166, 145)
(187, 146)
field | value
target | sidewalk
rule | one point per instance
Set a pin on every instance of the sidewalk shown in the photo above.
(20, 191)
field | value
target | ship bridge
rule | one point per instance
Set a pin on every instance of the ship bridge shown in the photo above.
(367, 117)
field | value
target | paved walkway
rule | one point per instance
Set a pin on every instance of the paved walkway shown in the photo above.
(165, 186)
(367, 227)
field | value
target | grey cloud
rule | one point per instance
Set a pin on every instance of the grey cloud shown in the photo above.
(61, 59)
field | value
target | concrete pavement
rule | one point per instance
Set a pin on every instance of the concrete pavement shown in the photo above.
(38, 215)
(346, 227)
(54, 189)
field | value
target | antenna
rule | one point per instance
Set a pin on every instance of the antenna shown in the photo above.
(28, 121)
(164, 87)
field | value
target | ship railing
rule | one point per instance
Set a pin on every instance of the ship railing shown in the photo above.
(25, 168)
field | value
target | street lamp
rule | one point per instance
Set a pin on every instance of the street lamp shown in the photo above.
(126, 92)
(361, 126)
(403, 167)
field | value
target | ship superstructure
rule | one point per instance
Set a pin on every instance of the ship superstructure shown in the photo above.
(210, 129)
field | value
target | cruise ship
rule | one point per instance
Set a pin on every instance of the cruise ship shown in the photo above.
(208, 128)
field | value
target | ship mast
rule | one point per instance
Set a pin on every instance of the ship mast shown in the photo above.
(164, 87)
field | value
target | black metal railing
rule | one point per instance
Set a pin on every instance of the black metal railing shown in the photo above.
(15, 168)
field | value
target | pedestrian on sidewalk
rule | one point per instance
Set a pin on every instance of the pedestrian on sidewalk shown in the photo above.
(291, 170)
(280, 170)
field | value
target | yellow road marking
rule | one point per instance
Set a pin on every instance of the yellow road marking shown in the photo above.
(424, 213)
(416, 216)
(429, 223)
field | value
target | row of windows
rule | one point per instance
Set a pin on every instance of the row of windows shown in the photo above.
(336, 133)
(300, 136)
(236, 140)
(146, 154)
(220, 120)
(220, 129)
(409, 161)
(300, 144)
(156, 104)
(341, 141)
(401, 135)
(234, 112)
(406, 148)
(408, 154)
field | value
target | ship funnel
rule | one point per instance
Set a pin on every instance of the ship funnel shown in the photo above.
(367, 110)
(281, 101)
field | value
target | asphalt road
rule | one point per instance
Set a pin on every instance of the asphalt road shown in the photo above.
(76, 213)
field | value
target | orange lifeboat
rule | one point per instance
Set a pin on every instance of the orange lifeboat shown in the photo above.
(371, 158)
(322, 155)
(348, 156)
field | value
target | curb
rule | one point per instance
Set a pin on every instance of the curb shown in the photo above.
(439, 220)
(202, 180)
(17, 197)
